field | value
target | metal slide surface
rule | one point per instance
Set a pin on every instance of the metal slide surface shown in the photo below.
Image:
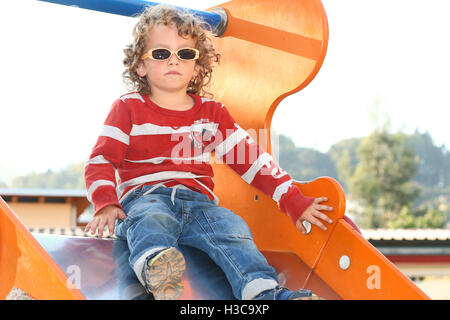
(100, 269)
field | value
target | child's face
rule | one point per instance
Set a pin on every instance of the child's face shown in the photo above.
(157, 72)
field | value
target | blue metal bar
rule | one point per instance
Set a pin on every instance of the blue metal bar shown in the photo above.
(217, 19)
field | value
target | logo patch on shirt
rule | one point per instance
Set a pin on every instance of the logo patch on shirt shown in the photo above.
(199, 138)
(202, 131)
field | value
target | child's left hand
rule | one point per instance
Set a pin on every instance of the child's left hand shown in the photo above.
(314, 216)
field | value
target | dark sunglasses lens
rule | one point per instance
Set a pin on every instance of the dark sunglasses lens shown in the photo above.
(186, 54)
(160, 54)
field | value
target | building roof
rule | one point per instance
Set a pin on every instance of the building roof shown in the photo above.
(406, 234)
(61, 193)
(411, 245)
(67, 231)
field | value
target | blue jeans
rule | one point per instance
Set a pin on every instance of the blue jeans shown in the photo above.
(155, 221)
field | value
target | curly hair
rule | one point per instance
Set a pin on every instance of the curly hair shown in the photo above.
(187, 25)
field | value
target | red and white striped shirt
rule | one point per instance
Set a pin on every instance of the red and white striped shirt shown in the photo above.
(147, 144)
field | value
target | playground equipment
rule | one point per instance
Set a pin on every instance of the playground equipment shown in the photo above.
(270, 49)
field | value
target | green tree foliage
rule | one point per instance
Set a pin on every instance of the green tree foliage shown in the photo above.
(385, 170)
(386, 179)
(304, 164)
(431, 171)
(383, 176)
(314, 164)
(71, 177)
(446, 168)
(430, 217)
(349, 146)
(345, 155)
(380, 172)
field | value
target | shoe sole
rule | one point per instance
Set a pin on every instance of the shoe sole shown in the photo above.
(313, 297)
(163, 274)
(304, 295)
(309, 298)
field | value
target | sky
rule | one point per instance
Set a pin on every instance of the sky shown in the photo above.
(61, 70)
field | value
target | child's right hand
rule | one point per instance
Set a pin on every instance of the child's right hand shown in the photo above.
(313, 215)
(106, 216)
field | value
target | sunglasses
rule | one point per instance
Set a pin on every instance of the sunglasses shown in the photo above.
(161, 54)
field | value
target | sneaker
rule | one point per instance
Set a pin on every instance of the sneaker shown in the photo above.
(303, 294)
(162, 274)
(281, 293)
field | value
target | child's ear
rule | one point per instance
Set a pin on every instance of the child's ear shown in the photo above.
(140, 69)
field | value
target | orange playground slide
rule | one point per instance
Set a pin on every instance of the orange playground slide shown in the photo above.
(270, 49)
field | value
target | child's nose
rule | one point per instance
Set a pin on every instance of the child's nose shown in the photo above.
(173, 59)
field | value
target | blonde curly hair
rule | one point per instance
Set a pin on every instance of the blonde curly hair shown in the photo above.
(188, 25)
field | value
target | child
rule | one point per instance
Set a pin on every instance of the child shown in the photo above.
(165, 186)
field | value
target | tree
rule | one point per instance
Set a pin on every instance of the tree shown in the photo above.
(431, 158)
(345, 170)
(446, 174)
(303, 163)
(349, 146)
(429, 217)
(71, 177)
(288, 156)
(313, 164)
(345, 155)
(383, 176)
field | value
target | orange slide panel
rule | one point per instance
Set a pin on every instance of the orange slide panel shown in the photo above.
(26, 265)
(370, 275)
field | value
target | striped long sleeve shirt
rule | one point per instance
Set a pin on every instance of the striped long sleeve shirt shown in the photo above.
(144, 144)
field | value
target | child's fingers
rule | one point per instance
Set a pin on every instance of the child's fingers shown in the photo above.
(320, 199)
(323, 216)
(93, 227)
(323, 207)
(317, 223)
(101, 227)
(88, 227)
(122, 215)
(111, 226)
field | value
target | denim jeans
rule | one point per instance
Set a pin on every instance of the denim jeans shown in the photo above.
(155, 221)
